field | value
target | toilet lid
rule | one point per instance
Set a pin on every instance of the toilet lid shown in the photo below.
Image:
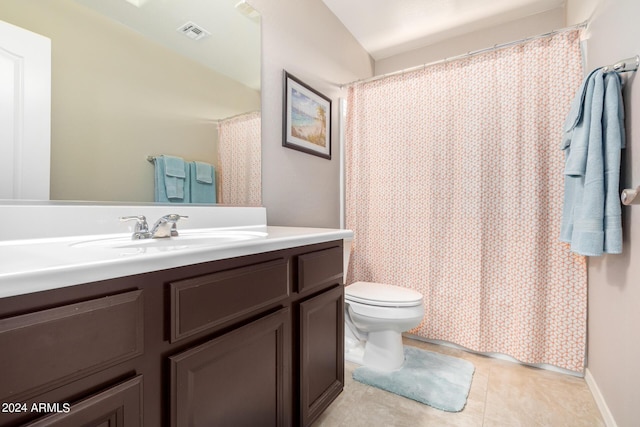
(382, 295)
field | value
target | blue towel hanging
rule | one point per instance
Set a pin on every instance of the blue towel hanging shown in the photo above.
(594, 136)
(171, 183)
(202, 182)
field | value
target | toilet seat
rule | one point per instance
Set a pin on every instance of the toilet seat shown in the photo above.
(382, 295)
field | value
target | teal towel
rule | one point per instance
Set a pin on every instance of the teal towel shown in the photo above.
(171, 183)
(593, 139)
(204, 172)
(175, 174)
(160, 193)
(614, 141)
(202, 182)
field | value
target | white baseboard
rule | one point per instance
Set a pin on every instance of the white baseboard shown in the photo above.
(609, 421)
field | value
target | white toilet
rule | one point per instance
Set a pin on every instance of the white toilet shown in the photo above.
(376, 314)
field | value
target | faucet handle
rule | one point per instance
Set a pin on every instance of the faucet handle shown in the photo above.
(174, 217)
(141, 224)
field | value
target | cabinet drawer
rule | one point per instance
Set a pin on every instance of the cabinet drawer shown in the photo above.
(49, 348)
(118, 406)
(204, 302)
(320, 268)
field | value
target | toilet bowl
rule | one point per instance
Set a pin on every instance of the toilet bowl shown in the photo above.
(376, 315)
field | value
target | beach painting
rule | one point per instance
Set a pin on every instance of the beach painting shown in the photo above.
(307, 118)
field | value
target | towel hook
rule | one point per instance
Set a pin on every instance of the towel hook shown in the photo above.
(629, 196)
(629, 64)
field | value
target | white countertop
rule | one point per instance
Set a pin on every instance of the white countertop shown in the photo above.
(40, 250)
(32, 265)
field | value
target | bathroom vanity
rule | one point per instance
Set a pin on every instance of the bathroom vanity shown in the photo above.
(251, 333)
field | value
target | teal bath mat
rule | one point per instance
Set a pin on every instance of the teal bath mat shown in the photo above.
(440, 381)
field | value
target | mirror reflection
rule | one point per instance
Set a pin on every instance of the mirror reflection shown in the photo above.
(138, 79)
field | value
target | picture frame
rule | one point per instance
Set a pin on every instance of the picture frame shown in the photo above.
(306, 118)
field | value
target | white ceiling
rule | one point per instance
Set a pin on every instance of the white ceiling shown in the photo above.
(383, 27)
(232, 49)
(390, 27)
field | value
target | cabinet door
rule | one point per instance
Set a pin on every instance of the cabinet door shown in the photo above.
(118, 406)
(321, 352)
(239, 379)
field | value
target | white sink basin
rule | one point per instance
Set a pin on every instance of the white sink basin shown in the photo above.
(186, 239)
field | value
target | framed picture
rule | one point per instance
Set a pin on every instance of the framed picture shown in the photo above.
(307, 118)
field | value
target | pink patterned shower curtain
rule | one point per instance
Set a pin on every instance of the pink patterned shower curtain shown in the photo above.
(454, 180)
(239, 160)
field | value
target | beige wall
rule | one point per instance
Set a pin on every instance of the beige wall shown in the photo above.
(521, 28)
(306, 39)
(117, 98)
(578, 11)
(613, 357)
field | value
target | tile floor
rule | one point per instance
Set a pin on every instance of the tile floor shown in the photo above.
(503, 394)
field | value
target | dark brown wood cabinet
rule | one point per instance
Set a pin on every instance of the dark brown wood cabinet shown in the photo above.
(239, 379)
(254, 340)
(320, 331)
(321, 338)
(118, 406)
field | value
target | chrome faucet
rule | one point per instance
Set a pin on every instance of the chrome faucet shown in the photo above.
(164, 227)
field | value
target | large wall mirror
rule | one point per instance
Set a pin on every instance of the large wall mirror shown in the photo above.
(132, 79)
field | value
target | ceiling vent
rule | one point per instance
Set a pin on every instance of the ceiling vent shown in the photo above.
(193, 31)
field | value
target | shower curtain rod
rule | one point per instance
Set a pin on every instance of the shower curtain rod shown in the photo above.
(469, 54)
